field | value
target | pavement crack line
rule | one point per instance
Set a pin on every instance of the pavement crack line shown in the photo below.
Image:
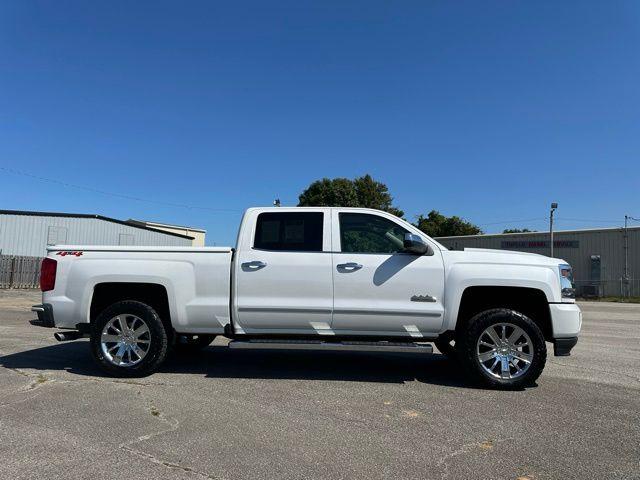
(465, 448)
(173, 425)
(37, 380)
(170, 465)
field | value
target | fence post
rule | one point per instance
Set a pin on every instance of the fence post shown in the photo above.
(18, 271)
(13, 266)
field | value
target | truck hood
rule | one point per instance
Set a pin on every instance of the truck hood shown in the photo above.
(495, 250)
(493, 256)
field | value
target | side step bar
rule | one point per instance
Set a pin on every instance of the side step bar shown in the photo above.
(332, 346)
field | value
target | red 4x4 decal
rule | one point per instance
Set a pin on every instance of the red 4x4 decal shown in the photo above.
(64, 254)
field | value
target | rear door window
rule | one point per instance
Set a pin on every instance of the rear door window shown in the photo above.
(289, 231)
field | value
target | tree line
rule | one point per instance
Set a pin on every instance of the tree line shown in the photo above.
(365, 192)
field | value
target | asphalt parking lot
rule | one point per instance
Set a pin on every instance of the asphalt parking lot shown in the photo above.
(229, 414)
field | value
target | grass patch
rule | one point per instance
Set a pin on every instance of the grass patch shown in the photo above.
(155, 412)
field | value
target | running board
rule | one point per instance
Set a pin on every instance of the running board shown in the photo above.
(332, 346)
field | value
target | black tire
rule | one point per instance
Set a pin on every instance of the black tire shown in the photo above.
(192, 343)
(157, 337)
(468, 349)
(446, 348)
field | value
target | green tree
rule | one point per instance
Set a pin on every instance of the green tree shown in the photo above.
(437, 225)
(517, 230)
(373, 194)
(362, 192)
(336, 192)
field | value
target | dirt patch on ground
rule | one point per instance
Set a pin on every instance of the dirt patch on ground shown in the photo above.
(19, 299)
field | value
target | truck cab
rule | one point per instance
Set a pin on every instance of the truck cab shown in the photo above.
(329, 271)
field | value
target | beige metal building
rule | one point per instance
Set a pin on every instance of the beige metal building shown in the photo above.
(197, 233)
(596, 255)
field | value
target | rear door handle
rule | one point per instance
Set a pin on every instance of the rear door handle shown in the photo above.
(349, 267)
(254, 265)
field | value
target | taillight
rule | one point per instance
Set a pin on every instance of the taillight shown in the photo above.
(48, 274)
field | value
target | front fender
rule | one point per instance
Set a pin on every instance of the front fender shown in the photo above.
(461, 276)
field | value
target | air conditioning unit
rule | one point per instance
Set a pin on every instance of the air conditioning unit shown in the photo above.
(590, 291)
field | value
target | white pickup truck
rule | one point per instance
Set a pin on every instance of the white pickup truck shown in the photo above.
(315, 278)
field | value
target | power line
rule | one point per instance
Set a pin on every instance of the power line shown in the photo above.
(114, 194)
(586, 220)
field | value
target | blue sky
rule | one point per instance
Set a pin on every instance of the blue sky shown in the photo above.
(487, 110)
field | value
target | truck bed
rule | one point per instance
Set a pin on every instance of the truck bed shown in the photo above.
(197, 281)
(131, 248)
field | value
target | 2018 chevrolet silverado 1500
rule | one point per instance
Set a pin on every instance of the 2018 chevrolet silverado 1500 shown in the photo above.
(323, 278)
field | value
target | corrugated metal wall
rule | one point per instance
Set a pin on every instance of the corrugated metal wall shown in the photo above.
(576, 247)
(29, 235)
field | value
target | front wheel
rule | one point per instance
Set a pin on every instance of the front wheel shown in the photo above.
(503, 348)
(128, 339)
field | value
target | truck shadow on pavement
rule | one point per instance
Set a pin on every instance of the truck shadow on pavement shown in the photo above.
(218, 361)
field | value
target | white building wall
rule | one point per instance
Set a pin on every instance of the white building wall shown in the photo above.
(29, 235)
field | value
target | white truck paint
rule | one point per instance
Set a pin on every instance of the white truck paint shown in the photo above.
(321, 291)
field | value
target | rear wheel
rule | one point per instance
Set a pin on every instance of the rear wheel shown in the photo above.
(503, 348)
(128, 339)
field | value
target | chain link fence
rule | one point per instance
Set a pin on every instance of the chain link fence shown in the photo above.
(19, 272)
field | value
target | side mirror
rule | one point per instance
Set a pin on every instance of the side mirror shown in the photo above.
(414, 244)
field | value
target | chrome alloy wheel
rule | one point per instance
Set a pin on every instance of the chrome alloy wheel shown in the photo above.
(505, 351)
(125, 340)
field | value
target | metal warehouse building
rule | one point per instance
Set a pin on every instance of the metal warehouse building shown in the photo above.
(29, 233)
(596, 255)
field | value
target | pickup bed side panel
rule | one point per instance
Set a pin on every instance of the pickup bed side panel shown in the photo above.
(197, 285)
(460, 276)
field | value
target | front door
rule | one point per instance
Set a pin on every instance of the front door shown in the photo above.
(378, 289)
(283, 278)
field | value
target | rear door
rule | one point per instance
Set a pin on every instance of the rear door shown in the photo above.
(283, 272)
(378, 289)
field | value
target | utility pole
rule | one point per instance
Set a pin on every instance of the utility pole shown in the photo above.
(553, 209)
(625, 280)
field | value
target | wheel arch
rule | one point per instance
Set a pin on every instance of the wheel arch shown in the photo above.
(531, 302)
(153, 294)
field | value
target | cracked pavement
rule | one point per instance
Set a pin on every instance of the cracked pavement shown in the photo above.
(232, 414)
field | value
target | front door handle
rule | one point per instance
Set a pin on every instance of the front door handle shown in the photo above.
(349, 267)
(254, 265)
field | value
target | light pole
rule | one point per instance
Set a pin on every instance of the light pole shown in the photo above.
(553, 209)
(626, 257)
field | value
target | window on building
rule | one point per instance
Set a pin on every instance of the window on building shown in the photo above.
(125, 239)
(365, 233)
(56, 235)
(289, 231)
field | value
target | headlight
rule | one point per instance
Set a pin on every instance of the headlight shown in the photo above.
(566, 281)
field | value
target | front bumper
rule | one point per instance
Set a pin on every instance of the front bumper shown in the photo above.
(566, 322)
(45, 316)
